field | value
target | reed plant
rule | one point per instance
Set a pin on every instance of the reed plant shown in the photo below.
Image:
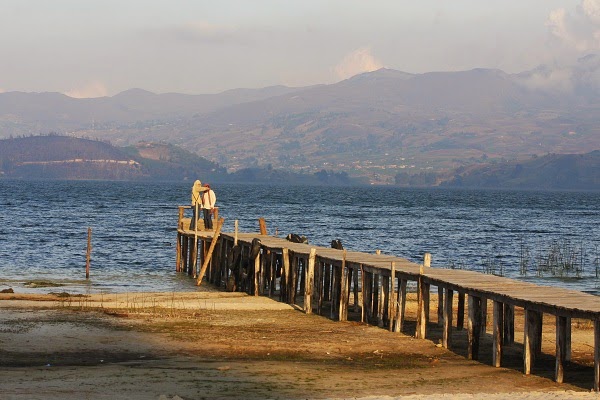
(560, 258)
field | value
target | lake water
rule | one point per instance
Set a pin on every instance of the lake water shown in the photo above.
(43, 230)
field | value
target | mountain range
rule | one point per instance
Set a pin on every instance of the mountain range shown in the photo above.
(373, 125)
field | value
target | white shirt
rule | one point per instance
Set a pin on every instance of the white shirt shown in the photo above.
(209, 199)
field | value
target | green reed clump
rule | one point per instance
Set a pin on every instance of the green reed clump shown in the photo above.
(560, 258)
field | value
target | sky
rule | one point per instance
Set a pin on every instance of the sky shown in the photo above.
(92, 48)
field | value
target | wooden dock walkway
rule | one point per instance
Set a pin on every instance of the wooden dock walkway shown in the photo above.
(323, 280)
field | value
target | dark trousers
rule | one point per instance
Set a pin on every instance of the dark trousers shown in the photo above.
(207, 218)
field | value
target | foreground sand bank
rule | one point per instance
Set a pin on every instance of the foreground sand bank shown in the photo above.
(229, 345)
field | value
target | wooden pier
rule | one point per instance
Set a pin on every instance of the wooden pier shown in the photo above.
(324, 280)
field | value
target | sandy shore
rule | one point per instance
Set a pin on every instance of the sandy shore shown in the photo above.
(229, 345)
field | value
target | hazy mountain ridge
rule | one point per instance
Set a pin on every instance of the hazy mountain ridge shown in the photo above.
(373, 124)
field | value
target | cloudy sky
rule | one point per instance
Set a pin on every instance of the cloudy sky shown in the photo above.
(90, 48)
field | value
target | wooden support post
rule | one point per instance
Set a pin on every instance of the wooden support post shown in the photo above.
(368, 296)
(257, 274)
(178, 253)
(235, 232)
(219, 263)
(538, 333)
(498, 333)
(293, 281)
(400, 306)
(262, 276)
(474, 327)
(201, 261)
(363, 292)
(321, 287)
(568, 341)
(285, 255)
(440, 307)
(447, 319)
(302, 274)
(427, 260)
(344, 290)
(375, 297)
(425, 291)
(327, 281)
(460, 315)
(596, 355)
(310, 278)
(272, 274)
(392, 298)
(262, 226)
(88, 253)
(356, 288)
(531, 338)
(210, 272)
(224, 268)
(216, 215)
(484, 310)
(509, 323)
(184, 253)
(380, 301)
(191, 258)
(561, 348)
(180, 216)
(210, 251)
(385, 301)
(421, 330)
(333, 292)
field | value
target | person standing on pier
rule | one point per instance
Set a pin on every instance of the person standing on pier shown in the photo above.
(197, 191)
(208, 204)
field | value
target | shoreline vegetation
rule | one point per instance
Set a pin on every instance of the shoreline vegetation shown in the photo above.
(212, 344)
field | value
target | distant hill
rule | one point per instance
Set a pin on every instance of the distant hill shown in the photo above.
(553, 171)
(373, 125)
(63, 157)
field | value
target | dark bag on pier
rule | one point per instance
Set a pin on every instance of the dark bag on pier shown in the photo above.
(294, 238)
(337, 244)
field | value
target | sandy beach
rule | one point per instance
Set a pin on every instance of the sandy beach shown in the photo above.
(215, 345)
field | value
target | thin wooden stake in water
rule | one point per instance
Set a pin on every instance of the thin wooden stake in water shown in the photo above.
(88, 254)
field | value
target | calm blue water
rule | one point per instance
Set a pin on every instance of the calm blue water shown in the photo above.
(43, 229)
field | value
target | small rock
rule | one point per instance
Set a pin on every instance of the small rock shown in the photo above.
(9, 290)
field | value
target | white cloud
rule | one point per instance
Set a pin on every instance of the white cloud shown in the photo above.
(591, 9)
(359, 61)
(579, 31)
(91, 89)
